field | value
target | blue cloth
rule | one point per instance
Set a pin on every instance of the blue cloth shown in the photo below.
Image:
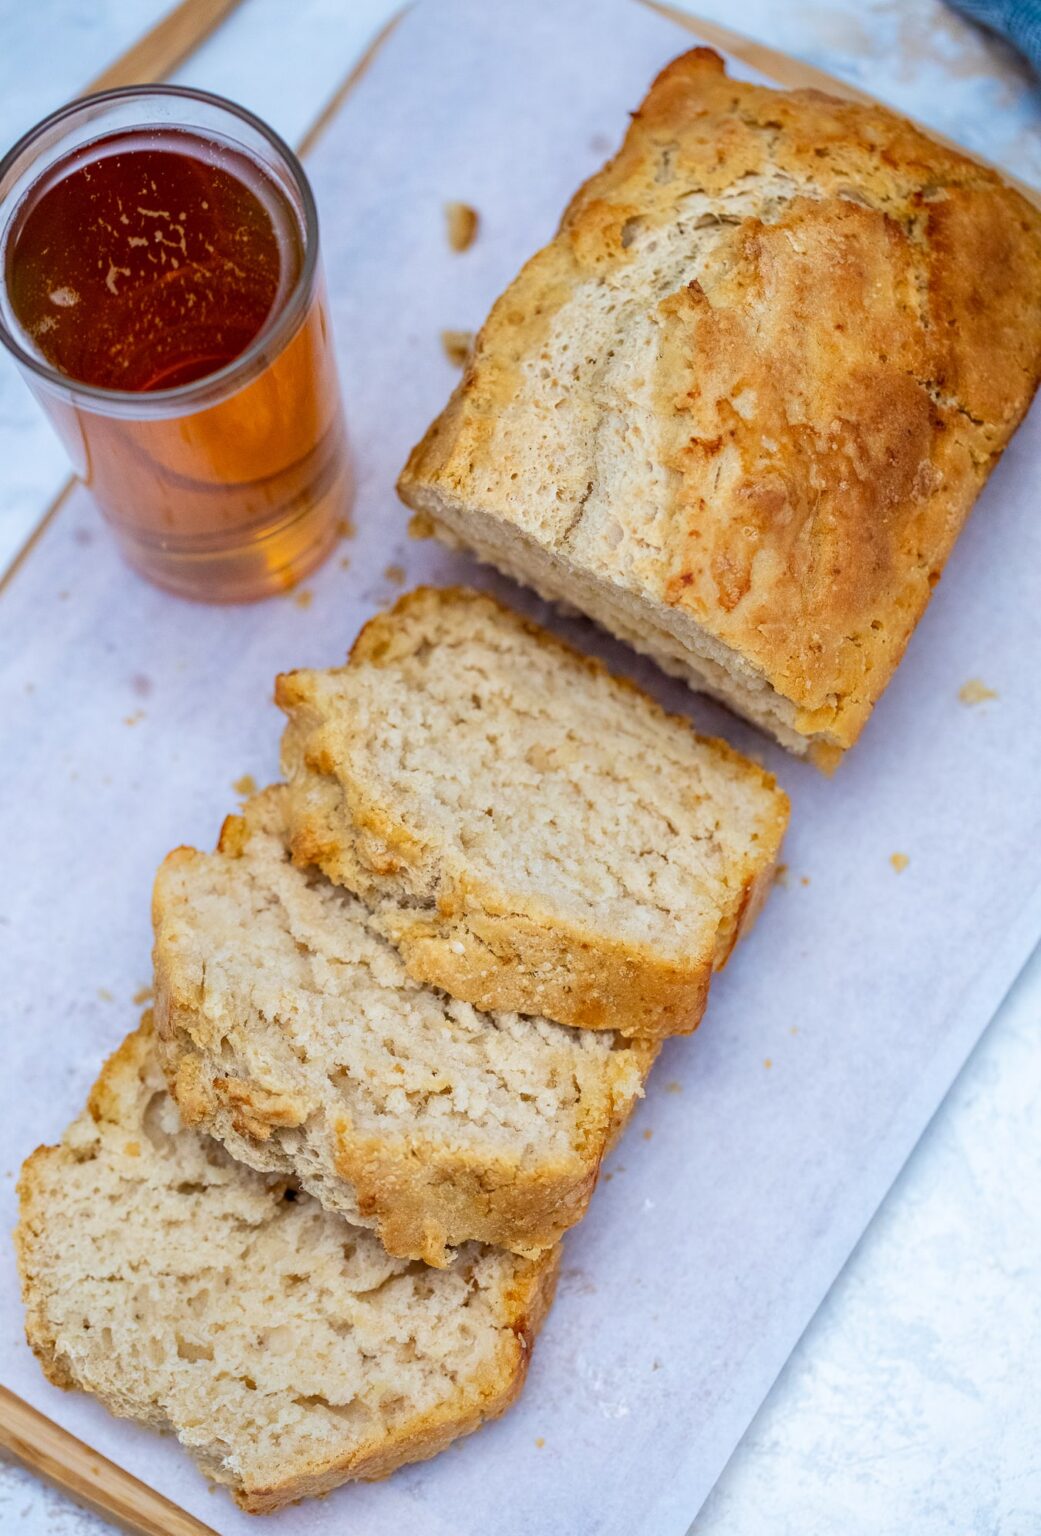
(1018, 20)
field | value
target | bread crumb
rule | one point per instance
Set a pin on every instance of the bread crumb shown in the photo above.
(245, 786)
(457, 346)
(304, 598)
(899, 861)
(768, 1063)
(133, 719)
(648, 1133)
(804, 879)
(345, 563)
(345, 528)
(674, 1087)
(794, 1029)
(608, 1177)
(141, 685)
(104, 995)
(142, 995)
(395, 574)
(975, 691)
(781, 875)
(420, 526)
(539, 1441)
(461, 221)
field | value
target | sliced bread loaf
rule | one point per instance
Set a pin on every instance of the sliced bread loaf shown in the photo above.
(286, 1350)
(739, 408)
(531, 832)
(292, 1032)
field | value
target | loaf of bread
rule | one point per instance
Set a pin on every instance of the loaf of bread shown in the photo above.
(285, 1348)
(738, 410)
(291, 1031)
(531, 832)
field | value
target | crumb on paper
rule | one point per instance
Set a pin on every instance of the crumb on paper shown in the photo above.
(142, 995)
(608, 1177)
(135, 718)
(804, 879)
(457, 346)
(395, 574)
(899, 861)
(768, 1062)
(420, 526)
(345, 563)
(104, 995)
(345, 528)
(781, 875)
(303, 598)
(245, 786)
(975, 691)
(794, 1029)
(648, 1133)
(539, 1441)
(674, 1087)
(461, 221)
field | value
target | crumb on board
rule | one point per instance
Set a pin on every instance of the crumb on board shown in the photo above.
(648, 1133)
(768, 1062)
(461, 222)
(456, 345)
(395, 574)
(345, 528)
(781, 875)
(975, 691)
(142, 995)
(540, 1441)
(245, 786)
(303, 598)
(104, 995)
(899, 861)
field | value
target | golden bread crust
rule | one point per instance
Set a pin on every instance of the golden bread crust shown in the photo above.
(847, 335)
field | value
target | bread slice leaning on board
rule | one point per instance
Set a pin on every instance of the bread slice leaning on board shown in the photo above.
(291, 1031)
(284, 1347)
(529, 831)
(739, 408)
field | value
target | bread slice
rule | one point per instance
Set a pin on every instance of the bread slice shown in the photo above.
(286, 1350)
(291, 1031)
(738, 410)
(531, 832)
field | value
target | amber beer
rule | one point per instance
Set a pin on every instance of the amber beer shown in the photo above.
(163, 295)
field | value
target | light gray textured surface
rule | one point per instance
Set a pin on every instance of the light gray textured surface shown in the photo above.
(909, 1405)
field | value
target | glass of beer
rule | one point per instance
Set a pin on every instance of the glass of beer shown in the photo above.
(163, 296)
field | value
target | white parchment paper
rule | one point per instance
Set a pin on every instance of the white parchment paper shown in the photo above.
(766, 1142)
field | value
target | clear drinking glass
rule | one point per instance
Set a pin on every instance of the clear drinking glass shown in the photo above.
(231, 486)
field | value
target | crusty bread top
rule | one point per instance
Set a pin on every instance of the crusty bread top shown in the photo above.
(284, 1347)
(477, 757)
(759, 377)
